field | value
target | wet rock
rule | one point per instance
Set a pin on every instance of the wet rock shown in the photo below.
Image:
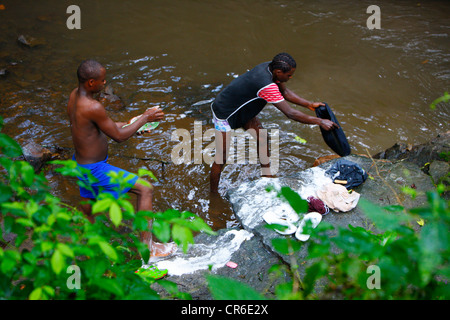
(3, 73)
(324, 159)
(252, 199)
(418, 154)
(36, 155)
(59, 153)
(110, 100)
(253, 262)
(30, 42)
(439, 170)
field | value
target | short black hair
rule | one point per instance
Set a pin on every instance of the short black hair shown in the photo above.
(283, 61)
(89, 69)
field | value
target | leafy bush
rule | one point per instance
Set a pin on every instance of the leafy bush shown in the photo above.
(58, 254)
(396, 262)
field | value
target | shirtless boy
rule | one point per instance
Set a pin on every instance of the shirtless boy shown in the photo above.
(91, 127)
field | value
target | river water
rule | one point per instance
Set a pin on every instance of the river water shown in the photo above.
(180, 54)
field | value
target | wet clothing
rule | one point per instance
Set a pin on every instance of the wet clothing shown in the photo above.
(246, 96)
(317, 205)
(335, 138)
(348, 171)
(100, 171)
(337, 197)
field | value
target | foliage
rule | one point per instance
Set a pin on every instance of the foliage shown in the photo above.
(395, 262)
(409, 264)
(55, 241)
(224, 288)
(444, 98)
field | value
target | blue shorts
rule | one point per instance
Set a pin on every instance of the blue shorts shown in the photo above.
(100, 170)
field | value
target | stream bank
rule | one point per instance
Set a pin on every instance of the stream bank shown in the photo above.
(250, 247)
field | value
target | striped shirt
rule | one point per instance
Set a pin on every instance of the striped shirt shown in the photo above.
(271, 93)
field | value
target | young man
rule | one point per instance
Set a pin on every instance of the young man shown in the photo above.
(243, 99)
(91, 127)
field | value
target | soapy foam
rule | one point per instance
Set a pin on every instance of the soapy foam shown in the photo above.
(201, 256)
(315, 179)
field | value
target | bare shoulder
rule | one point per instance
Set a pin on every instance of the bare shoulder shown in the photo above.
(89, 105)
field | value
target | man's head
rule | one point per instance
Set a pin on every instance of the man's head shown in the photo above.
(91, 74)
(282, 67)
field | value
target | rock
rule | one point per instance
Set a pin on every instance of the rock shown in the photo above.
(30, 42)
(255, 254)
(324, 159)
(3, 73)
(253, 261)
(36, 155)
(111, 100)
(439, 170)
(251, 200)
(418, 154)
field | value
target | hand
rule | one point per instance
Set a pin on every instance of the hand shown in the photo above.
(314, 105)
(154, 114)
(328, 125)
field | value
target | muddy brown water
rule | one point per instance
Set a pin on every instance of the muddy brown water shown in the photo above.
(180, 54)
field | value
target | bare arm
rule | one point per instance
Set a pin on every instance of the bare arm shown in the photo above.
(121, 124)
(299, 116)
(293, 98)
(114, 130)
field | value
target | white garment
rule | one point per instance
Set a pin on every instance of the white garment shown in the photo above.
(337, 197)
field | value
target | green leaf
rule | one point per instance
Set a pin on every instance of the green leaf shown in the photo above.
(9, 261)
(46, 246)
(182, 235)
(25, 222)
(144, 172)
(301, 140)
(140, 223)
(13, 206)
(228, 289)
(295, 201)
(284, 291)
(286, 245)
(5, 193)
(57, 261)
(115, 214)
(127, 206)
(49, 290)
(161, 230)
(198, 224)
(110, 285)
(444, 98)
(410, 191)
(9, 147)
(101, 205)
(313, 274)
(36, 294)
(31, 208)
(65, 250)
(433, 241)
(383, 220)
(108, 250)
(27, 173)
(172, 288)
(394, 208)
